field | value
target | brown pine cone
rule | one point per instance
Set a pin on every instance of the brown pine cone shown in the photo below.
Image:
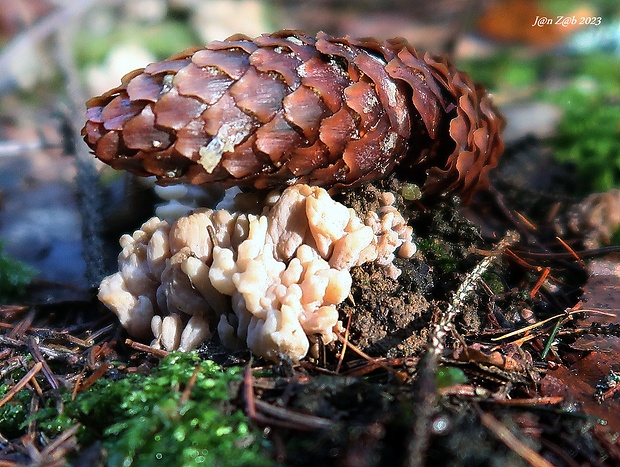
(286, 108)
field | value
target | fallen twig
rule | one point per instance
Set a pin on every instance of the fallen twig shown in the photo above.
(146, 348)
(372, 365)
(367, 357)
(92, 379)
(510, 440)
(572, 252)
(22, 382)
(187, 392)
(574, 310)
(297, 420)
(425, 381)
(35, 351)
(344, 345)
(478, 392)
(446, 320)
(90, 196)
(55, 453)
(267, 414)
(23, 325)
(516, 221)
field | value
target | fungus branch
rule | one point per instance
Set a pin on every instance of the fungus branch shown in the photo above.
(270, 283)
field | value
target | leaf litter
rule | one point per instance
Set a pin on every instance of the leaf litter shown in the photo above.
(503, 321)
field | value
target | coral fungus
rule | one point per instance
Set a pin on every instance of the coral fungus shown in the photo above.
(270, 282)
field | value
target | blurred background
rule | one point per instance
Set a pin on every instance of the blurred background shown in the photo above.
(553, 67)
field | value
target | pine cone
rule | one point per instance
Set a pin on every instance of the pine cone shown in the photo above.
(286, 108)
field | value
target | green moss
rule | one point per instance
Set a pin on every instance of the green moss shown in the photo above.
(504, 70)
(162, 39)
(439, 252)
(615, 238)
(449, 376)
(143, 420)
(14, 413)
(494, 282)
(14, 277)
(588, 135)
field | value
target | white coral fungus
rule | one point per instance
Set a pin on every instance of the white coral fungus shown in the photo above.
(270, 282)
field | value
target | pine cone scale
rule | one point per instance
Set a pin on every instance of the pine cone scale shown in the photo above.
(225, 110)
(144, 88)
(259, 94)
(361, 155)
(120, 109)
(336, 131)
(392, 94)
(284, 64)
(423, 99)
(305, 110)
(190, 138)
(175, 111)
(276, 138)
(206, 85)
(364, 101)
(327, 79)
(165, 67)
(232, 62)
(141, 133)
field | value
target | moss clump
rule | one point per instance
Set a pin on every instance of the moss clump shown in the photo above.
(447, 376)
(588, 136)
(145, 420)
(162, 40)
(439, 252)
(14, 277)
(14, 413)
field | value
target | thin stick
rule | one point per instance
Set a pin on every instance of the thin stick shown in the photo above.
(364, 355)
(510, 440)
(146, 348)
(92, 379)
(541, 323)
(514, 220)
(572, 252)
(467, 287)
(90, 193)
(35, 351)
(22, 382)
(427, 368)
(539, 283)
(299, 420)
(248, 392)
(67, 436)
(344, 345)
(187, 392)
